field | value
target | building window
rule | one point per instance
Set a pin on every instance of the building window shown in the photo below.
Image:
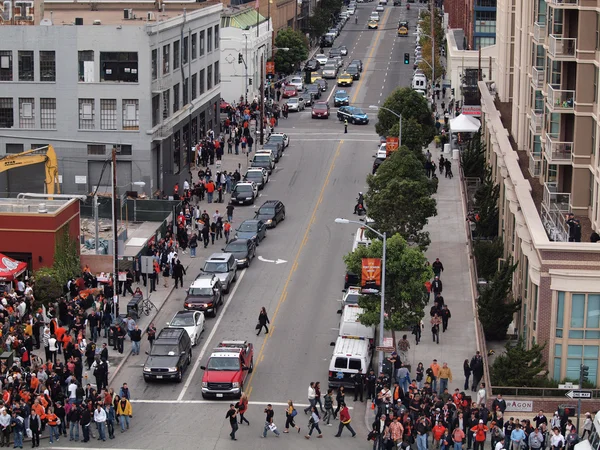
(209, 40)
(26, 72)
(131, 114)
(194, 46)
(14, 148)
(535, 305)
(185, 50)
(176, 55)
(7, 116)
(86, 114)
(202, 78)
(155, 110)
(155, 64)
(96, 149)
(166, 58)
(557, 361)
(595, 84)
(86, 66)
(47, 66)
(176, 152)
(176, 97)
(597, 31)
(108, 114)
(217, 74)
(26, 113)
(48, 113)
(560, 314)
(216, 36)
(202, 43)
(119, 66)
(194, 86)
(209, 75)
(166, 103)
(185, 91)
(6, 65)
(125, 149)
(582, 354)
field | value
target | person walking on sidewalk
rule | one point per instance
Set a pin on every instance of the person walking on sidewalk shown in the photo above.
(445, 376)
(269, 424)
(311, 397)
(359, 385)
(227, 231)
(314, 423)
(340, 399)
(136, 337)
(477, 370)
(232, 416)
(290, 414)
(434, 374)
(446, 315)
(403, 348)
(345, 420)
(435, 328)
(467, 372)
(229, 210)
(318, 396)
(263, 320)
(178, 273)
(436, 285)
(437, 265)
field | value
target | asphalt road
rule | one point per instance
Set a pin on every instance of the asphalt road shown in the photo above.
(317, 180)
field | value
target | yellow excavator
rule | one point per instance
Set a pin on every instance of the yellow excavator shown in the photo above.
(45, 155)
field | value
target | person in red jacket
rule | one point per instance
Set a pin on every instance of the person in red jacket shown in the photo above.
(345, 420)
(438, 431)
(480, 431)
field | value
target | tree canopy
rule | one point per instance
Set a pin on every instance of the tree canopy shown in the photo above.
(518, 366)
(411, 105)
(323, 16)
(406, 273)
(288, 61)
(399, 197)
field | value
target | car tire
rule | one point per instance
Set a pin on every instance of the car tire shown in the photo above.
(215, 310)
(226, 291)
(353, 122)
(274, 223)
(179, 377)
(234, 277)
(283, 216)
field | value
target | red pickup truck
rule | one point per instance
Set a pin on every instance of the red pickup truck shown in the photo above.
(227, 369)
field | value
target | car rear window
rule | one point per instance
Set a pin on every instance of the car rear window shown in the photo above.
(354, 364)
(341, 363)
(262, 158)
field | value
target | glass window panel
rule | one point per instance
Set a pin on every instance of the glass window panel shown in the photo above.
(559, 333)
(573, 368)
(557, 364)
(590, 351)
(576, 334)
(577, 310)
(558, 350)
(561, 310)
(593, 311)
(592, 334)
(575, 351)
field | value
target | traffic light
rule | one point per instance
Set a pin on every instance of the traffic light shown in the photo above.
(407, 58)
(585, 372)
(240, 58)
(452, 92)
(249, 81)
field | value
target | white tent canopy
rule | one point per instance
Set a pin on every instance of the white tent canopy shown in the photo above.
(464, 124)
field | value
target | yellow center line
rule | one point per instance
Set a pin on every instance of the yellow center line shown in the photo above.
(283, 296)
(370, 55)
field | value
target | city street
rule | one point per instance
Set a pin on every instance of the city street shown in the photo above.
(318, 179)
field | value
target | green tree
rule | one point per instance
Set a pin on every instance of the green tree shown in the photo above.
(495, 306)
(412, 136)
(399, 197)
(518, 366)
(411, 105)
(66, 257)
(486, 256)
(472, 158)
(425, 42)
(406, 274)
(323, 16)
(287, 61)
(486, 203)
(47, 287)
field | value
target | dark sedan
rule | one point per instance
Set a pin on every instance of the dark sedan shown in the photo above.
(377, 163)
(322, 84)
(312, 65)
(252, 229)
(314, 89)
(243, 250)
(353, 70)
(353, 114)
(275, 147)
(271, 213)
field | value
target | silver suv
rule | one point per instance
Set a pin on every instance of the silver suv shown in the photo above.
(224, 267)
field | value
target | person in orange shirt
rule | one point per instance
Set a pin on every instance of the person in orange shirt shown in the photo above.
(53, 422)
(38, 408)
(435, 368)
(210, 190)
(226, 231)
(35, 383)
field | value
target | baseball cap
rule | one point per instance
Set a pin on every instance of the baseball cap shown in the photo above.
(480, 421)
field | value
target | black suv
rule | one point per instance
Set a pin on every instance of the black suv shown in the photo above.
(271, 212)
(169, 356)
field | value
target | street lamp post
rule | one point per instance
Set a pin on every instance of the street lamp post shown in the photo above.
(382, 292)
(399, 116)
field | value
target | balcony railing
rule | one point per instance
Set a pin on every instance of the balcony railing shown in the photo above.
(565, 3)
(537, 77)
(558, 152)
(535, 165)
(560, 47)
(555, 206)
(536, 121)
(539, 32)
(559, 99)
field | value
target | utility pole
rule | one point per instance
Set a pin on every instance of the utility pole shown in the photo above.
(246, 68)
(96, 222)
(262, 97)
(115, 204)
(583, 376)
(433, 49)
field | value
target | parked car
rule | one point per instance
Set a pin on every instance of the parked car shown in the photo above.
(244, 251)
(252, 229)
(271, 213)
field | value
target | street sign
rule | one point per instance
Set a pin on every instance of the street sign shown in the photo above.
(579, 394)
(147, 264)
(568, 386)
(388, 342)
(384, 349)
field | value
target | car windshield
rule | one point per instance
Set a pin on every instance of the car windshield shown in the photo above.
(266, 210)
(237, 247)
(201, 292)
(163, 350)
(352, 299)
(247, 227)
(227, 363)
(263, 158)
(256, 175)
(183, 320)
(293, 100)
(320, 106)
(329, 67)
(357, 111)
(341, 94)
(276, 138)
(352, 69)
(243, 188)
(215, 267)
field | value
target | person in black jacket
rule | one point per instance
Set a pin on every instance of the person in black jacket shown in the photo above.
(35, 425)
(179, 272)
(74, 416)
(263, 320)
(85, 420)
(60, 412)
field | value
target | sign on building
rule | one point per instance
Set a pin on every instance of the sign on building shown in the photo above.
(519, 405)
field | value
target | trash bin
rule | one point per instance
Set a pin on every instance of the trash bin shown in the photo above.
(133, 307)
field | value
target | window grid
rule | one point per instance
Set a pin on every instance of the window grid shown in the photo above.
(194, 86)
(209, 75)
(217, 75)
(176, 55)
(26, 113)
(216, 37)
(6, 65)
(166, 58)
(26, 72)
(87, 114)
(194, 46)
(108, 114)
(48, 113)
(96, 149)
(83, 57)
(131, 114)
(176, 98)
(155, 64)
(202, 43)
(209, 40)
(47, 66)
(7, 119)
(185, 91)
(202, 78)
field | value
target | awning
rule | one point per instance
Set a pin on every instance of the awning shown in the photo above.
(464, 124)
(10, 269)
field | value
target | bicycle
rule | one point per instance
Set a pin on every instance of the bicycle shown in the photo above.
(147, 306)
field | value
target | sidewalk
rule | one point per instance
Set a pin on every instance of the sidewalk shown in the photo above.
(230, 163)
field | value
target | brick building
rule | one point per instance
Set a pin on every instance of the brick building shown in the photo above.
(477, 18)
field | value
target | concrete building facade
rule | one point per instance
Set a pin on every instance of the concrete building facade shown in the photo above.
(129, 76)
(547, 90)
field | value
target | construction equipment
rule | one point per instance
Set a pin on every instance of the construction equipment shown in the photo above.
(45, 155)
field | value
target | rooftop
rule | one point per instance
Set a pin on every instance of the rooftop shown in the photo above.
(244, 17)
(38, 206)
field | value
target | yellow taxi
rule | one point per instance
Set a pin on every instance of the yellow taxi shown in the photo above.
(345, 79)
(402, 31)
(372, 25)
(314, 76)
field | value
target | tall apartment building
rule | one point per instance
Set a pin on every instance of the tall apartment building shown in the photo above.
(548, 59)
(92, 76)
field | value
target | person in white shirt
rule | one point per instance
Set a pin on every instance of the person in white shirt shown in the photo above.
(52, 348)
(100, 419)
(587, 426)
(557, 441)
(481, 394)
(311, 397)
(72, 391)
(500, 444)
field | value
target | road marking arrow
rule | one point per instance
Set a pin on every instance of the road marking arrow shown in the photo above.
(278, 261)
(260, 258)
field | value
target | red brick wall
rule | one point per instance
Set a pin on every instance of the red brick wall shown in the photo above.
(460, 13)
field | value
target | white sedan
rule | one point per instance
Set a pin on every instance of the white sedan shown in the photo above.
(322, 58)
(295, 104)
(190, 321)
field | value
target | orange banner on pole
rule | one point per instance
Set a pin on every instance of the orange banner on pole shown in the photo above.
(391, 144)
(270, 68)
(371, 273)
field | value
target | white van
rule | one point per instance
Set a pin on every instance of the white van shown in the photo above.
(419, 82)
(350, 325)
(361, 239)
(349, 356)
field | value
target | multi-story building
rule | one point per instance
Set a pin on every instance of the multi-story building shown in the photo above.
(476, 17)
(548, 97)
(93, 76)
(245, 33)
